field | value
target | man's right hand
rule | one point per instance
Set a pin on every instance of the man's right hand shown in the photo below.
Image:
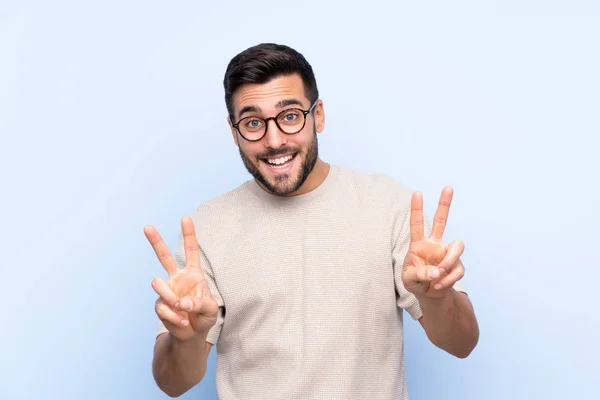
(185, 304)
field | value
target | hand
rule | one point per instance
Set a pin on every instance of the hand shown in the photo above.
(430, 267)
(185, 305)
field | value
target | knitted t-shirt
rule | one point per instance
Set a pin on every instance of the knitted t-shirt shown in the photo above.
(309, 288)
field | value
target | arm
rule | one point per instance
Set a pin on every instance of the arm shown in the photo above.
(179, 365)
(188, 312)
(450, 323)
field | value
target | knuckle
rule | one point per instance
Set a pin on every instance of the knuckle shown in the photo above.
(191, 243)
(197, 305)
(457, 275)
(165, 257)
(155, 284)
(160, 307)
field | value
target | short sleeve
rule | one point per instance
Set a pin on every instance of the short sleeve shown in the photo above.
(405, 299)
(179, 257)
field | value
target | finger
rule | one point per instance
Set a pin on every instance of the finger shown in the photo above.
(167, 315)
(425, 273)
(162, 251)
(454, 276)
(416, 217)
(453, 253)
(441, 215)
(162, 288)
(190, 242)
(199, 305)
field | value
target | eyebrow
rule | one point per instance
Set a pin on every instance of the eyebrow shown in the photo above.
(280, 104)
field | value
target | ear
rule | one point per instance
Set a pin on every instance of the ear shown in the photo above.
(233, 131)
(319, 116)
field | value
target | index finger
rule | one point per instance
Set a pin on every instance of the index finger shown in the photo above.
(190, 243)
(162, 251)
(416, 217)
(441, 214)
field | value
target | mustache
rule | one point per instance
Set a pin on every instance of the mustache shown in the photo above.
(278, 152)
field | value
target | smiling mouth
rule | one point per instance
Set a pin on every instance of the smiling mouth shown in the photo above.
(280, 162)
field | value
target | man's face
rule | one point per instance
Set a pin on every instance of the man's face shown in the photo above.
(280, 162)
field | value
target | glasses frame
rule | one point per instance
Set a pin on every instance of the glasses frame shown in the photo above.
(266, 121)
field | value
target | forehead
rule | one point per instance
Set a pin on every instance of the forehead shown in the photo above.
(265, 96)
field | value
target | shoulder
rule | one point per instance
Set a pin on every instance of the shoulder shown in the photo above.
(225, 206)
(375, 185)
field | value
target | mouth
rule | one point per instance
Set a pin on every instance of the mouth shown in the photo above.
(281, 162)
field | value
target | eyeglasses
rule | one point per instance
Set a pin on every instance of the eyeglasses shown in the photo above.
(290, 121)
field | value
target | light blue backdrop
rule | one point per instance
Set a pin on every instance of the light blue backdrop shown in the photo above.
(112, 117)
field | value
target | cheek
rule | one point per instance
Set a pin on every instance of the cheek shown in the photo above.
(249, 151)
(306, 142)
(302, 142)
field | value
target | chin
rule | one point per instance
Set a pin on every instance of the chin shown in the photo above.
(284, 184)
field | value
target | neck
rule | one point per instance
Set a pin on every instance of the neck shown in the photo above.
(315, 178)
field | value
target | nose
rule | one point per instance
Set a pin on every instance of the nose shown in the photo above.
(274, 138)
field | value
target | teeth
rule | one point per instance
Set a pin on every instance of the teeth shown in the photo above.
(279, 161)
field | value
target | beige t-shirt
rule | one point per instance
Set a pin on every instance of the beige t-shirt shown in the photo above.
(309, 288)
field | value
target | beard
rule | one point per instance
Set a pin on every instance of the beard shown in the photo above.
(284, 184)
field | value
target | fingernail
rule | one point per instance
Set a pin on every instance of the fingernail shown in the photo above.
(187, 304)
(442, 270)
(438, 286)
(177, 306)
(185, 322)
(434, 273)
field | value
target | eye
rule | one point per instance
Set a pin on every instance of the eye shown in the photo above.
(289, 116)
(253, 123)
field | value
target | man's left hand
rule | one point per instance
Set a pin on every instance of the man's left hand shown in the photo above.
(430, 267)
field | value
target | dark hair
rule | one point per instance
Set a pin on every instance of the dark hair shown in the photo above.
(263, 62)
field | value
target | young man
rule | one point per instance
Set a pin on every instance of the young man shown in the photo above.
(301, 275)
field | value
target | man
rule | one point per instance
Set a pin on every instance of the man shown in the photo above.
(301, 275)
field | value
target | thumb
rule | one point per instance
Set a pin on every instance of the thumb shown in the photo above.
(422, 274)
(197, 305)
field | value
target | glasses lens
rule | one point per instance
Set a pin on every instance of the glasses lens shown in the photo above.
(252, 128)
(291, 121)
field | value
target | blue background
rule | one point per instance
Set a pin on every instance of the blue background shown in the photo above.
(112, 117)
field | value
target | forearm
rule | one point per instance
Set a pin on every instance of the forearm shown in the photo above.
(450, 323)
(178, 366)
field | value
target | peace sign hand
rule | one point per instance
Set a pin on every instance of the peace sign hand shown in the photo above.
(185, 305)
(430, 267)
